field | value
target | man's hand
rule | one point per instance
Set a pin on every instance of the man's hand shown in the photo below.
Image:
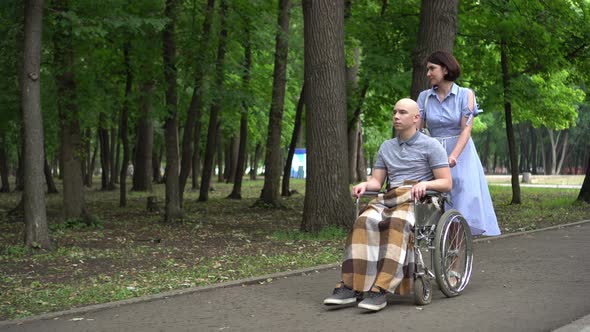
(359, 189)
(418, 190)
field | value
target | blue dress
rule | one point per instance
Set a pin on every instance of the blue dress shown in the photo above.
(470, 194)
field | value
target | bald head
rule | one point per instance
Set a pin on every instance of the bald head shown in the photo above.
(407, 104)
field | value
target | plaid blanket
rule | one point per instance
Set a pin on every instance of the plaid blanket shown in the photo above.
(380, 250)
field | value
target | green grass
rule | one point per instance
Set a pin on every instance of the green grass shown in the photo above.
(576, 180)
(329, 233)
(220, 240)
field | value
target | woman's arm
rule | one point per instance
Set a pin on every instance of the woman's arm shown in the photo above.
(465, 133)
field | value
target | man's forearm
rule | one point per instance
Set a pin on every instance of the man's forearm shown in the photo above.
(373, 184)
(441, 185)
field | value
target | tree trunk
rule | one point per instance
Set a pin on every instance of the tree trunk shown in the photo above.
(236, 192)
(509, 127)
(92, 163)
(220, 161)
(193, 119)
(361, 164)
(327, 196)
(3, 164)
(255, 161)
(437, 32)
(71, 145)
(173, 208)
(564, 151)
(123, 127)
(103, 137)
(533, 136)
(215, 108)
(19, 181)
(86, 178)
(142, 172)
(156, 161)
(272, 162)
(51, 188)
(585, 190)
(117, 154)
(112, 166)
(35, 214)
(294, 138)
(558, 147)
(230, 159)
(196, 163)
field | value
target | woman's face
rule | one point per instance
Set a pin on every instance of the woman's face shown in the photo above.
(435, 73)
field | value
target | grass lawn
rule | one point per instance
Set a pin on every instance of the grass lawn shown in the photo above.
(129, 252)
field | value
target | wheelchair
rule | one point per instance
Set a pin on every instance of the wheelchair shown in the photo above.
(447, 237)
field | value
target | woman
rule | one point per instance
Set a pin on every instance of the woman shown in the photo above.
(447, 110)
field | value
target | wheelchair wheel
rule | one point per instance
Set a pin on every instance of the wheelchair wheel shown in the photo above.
(422, 291)
(453, 253)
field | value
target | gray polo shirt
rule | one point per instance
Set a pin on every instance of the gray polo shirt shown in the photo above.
(413, 159)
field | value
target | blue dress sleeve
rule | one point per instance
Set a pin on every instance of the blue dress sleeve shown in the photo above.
(465, 111)
(420, 101)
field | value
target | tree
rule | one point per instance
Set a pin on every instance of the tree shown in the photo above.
(272, 162)
(3, 164)
(142, 171)
(213, 129)
(193, 119)
(437, 32)
(509, 129)
(294, 138)
(173, 209)
(241, 162)
(327, 197)
(70, 138)
(585, 190)
(123, 126)
(36, 234)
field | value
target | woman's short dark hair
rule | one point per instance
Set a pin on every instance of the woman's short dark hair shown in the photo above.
(447, 60)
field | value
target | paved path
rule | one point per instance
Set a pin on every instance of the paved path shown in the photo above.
(533, 282)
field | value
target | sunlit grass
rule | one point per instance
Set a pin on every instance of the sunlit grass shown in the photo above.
(126, 264)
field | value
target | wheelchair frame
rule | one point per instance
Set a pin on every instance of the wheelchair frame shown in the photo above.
(447, 237)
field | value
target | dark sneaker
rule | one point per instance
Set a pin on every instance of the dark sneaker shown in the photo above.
(341, 295)
(374, 300)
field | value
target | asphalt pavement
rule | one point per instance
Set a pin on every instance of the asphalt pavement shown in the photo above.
(533, 281)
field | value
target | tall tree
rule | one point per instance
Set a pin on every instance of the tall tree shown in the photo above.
(142, 171)
(272, 162)
(3, 164)
(173, 209)
(585, 190)
(241, 162)
(193, 118)
(327, 197)
(294, 138)
(70, 137)
(509, 128)
(123, 125)
(103, 137)
(36, 234)
(437, 32)
(213, 129)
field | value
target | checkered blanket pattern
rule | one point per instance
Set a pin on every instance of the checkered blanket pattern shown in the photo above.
(380, 250)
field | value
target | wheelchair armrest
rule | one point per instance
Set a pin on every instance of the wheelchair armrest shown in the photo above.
(434, 193)
(445, 197)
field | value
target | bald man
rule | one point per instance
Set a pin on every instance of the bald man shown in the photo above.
(379, 254)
